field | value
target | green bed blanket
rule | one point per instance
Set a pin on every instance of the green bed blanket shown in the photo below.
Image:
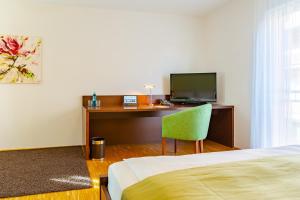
(271, 178)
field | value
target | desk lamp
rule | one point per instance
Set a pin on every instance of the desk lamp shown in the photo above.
(150, 87)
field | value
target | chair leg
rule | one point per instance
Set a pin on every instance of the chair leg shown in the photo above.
(197, 150)
(201, 146)
(163, 146)
(175, 146)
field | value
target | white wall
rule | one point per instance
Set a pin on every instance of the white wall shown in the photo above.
(229, 32)
(116, 52)
(86, 50)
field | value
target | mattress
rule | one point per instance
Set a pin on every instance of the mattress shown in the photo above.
(130, 171)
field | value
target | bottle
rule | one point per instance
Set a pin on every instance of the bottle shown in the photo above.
(94, 100)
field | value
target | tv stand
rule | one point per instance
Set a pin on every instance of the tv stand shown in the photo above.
(191, 103)
(143, 124)
(187, 101)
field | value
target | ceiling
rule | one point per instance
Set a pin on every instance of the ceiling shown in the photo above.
(182, 7)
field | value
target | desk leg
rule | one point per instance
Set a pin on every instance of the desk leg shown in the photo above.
(221, 128)
(87, 135)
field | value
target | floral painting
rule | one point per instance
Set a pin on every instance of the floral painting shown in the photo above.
(20, 59)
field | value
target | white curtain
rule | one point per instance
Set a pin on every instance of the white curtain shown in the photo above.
(276, 74)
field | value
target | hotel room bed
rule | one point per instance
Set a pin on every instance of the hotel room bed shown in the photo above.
(126, 173)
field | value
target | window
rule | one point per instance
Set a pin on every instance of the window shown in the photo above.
(293, 43)
(276, 74)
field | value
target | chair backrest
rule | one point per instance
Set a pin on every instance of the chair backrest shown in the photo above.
(190, 124)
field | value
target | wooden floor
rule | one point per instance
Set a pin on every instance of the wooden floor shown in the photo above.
(114, 154)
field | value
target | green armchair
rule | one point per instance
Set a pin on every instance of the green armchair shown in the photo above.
(191, 124)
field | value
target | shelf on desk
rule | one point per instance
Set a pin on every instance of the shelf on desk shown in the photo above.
(141, 108)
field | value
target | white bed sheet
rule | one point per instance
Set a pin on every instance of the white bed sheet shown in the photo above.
(130, 171)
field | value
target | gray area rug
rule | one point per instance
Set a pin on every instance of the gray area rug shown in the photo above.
(42, 171)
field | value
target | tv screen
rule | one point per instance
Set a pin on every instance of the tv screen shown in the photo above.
(194, 87)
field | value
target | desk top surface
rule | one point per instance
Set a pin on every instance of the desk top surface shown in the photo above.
(145, 108)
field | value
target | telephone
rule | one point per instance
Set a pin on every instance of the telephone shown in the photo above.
(165, 102)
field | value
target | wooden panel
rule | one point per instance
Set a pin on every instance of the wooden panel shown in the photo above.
(117, 100)
(127, 128)
(131, 114)
(138, 130)
(221, 127)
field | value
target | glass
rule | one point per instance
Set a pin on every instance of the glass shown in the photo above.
(98, 104)
(90, 104)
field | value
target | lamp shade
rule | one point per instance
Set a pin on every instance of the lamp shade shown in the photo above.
(149, 86)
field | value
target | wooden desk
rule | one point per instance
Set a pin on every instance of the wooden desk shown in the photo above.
(143, 124)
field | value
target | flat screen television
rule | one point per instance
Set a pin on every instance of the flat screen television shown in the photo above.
(193, 88)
